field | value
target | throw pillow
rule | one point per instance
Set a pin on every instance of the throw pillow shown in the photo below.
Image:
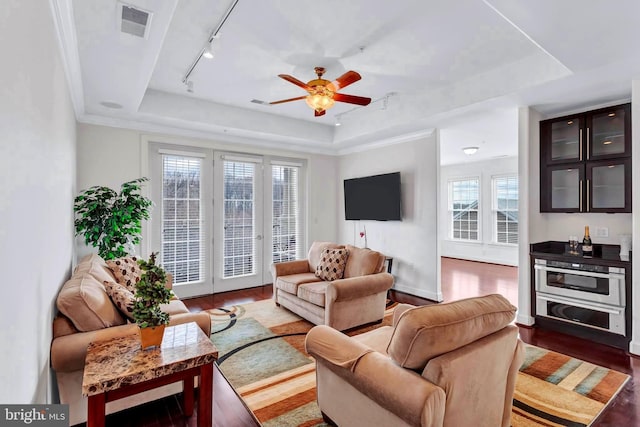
(332, 263)
(126, 271)
(121, 297)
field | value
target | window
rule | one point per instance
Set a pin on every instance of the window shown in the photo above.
(505, 208)
(182, 218)
(286, 236)
(463, 209)
(239, 218)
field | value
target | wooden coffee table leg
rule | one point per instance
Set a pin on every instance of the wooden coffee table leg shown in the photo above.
(95, 410)
(187, 386)
(205, 396)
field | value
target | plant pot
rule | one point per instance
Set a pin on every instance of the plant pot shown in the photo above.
(151, 336)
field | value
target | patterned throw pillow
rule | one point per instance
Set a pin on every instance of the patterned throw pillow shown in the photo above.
(126, 271)
(332, 263)
(121, 297)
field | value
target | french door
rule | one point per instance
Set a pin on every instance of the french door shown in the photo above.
(179, 225)
(238, 233)
(221, 219)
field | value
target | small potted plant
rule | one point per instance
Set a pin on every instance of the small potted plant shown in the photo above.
(151, 292)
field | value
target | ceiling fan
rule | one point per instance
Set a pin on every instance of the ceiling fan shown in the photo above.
(323, 93)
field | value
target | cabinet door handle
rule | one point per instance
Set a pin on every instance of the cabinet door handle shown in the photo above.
(580, 144)
(580, 201)
(588, 154)
(588, 208)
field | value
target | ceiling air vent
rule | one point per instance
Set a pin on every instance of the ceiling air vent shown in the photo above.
(134, 21)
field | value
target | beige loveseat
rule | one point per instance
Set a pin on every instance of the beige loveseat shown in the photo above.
(87, 314)
(356, 299)
(448, 365)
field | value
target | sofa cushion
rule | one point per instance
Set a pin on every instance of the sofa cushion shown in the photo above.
(84, 300)
(362, 262)
(423, 333)
(332, 263)
(175, 306)
(126, 271)
(313, 292)
(122, 297)
(315, 252)
(94, 265)
(291, 282)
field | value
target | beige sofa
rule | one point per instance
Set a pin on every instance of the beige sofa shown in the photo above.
(88, 314)
(356, 299)
(448, 365)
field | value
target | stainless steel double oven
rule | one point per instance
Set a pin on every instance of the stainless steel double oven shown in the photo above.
(580, 293)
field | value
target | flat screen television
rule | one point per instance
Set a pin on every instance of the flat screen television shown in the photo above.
(373, 197)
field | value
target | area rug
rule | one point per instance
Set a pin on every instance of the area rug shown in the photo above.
(262, 355)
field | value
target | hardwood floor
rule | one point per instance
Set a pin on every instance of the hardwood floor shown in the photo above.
(460, 279)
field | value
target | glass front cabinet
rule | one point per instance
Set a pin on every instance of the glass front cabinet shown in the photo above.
(585, 162)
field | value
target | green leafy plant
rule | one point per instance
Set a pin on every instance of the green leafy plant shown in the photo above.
(112, 221)
(151, 291)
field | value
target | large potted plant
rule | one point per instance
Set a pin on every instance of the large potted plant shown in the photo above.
(151, 292)
(112, 221)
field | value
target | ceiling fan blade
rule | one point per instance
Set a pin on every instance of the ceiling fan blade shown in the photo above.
(295, 81)
(287, 100)
(345, 80)
(351, 99)
(319, 113)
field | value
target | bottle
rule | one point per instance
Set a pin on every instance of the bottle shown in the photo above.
(587, 246)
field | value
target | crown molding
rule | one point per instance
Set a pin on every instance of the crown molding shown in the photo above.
(62, 11)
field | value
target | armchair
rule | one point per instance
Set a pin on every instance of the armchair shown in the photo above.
(449, 364)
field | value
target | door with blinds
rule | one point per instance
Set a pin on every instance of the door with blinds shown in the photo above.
(179, 226)
(239, 222)
(221, 219)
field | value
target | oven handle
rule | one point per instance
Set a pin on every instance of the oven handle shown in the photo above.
(575, 303)
(580, 273)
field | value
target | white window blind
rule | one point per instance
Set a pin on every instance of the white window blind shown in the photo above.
(505, 209)
(182, 218)
(239, 218)
(287, 239)
(463, 209)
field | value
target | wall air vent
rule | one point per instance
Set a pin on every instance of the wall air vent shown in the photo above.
(133, 20)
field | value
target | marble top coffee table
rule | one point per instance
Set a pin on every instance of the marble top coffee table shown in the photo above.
(118, 367)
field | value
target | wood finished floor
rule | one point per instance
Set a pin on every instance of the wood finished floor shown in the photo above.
(460, 279)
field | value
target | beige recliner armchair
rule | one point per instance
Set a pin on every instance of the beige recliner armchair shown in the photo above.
(451, 364)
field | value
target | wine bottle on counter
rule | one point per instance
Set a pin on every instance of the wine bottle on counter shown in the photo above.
(587, 246)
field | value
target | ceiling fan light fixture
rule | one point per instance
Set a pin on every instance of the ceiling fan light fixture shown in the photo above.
(319, 101)
(470, 150)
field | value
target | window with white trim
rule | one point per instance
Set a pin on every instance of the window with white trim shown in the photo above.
(286, 234)
(505, 209)
(182, 218)
(463, 209)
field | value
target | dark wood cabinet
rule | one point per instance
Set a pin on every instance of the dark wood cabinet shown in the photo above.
(585, 161)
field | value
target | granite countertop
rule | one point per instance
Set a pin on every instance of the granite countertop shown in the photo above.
(602, 254)
(113, 363)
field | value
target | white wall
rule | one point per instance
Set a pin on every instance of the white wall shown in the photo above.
(485, 250)
(413, 241)
(110, 156)
(37, 170)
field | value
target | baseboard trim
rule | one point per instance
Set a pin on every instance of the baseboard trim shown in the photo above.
(634, 348)
(525, 320)
(433, 296)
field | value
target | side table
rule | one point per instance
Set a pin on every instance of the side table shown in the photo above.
(118, 367)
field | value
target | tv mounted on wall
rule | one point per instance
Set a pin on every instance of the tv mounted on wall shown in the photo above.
(373, 197)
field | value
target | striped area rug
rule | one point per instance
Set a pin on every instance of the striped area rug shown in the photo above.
(262, 356)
